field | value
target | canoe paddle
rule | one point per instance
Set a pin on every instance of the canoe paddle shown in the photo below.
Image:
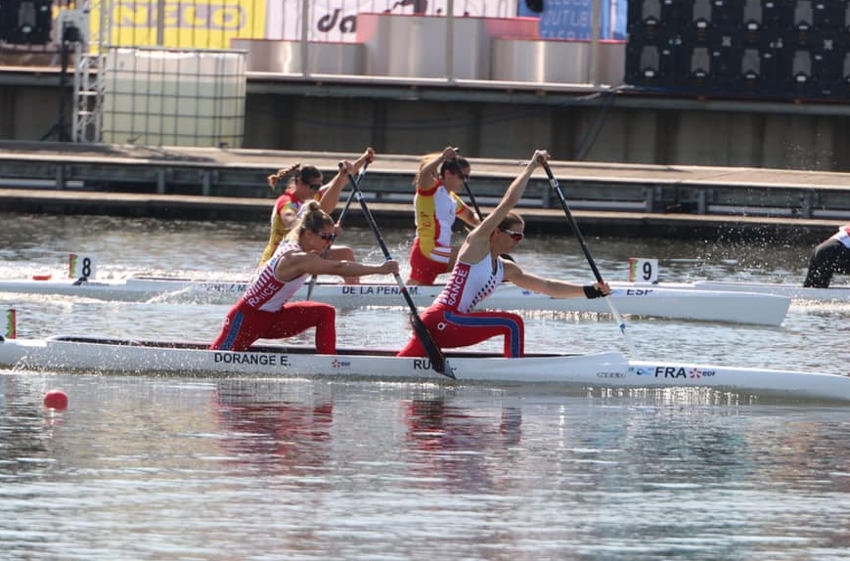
(458, 171)
(507, 256)
(339, 221)
(557, 188)
(472, 200)
(435, 355)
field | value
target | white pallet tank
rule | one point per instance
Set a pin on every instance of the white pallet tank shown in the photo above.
(159, 97)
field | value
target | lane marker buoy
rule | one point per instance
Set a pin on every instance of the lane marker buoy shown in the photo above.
(56, 399)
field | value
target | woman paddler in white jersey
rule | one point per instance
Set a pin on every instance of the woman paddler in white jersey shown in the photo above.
(480, 269)
(828, 258)
(264, 311)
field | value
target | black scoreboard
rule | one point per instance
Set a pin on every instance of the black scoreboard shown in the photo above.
(764, 48)
(26, 21)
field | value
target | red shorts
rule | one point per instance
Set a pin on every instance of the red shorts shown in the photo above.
(424, 269)
(244, 325)
(451, 329)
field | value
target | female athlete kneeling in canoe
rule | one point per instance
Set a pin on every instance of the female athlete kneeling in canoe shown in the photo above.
(264, 311)
(479, 269)
(437, 205)
(305, 184)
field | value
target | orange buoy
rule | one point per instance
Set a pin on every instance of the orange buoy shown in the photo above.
(56, 399)
(45, 277)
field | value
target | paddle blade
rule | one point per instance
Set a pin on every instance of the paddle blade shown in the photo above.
(435, 355)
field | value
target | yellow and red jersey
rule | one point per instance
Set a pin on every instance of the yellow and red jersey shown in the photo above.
(436, 209)
(286, 205)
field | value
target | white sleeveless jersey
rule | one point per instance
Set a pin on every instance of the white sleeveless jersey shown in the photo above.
(843, 235)
(469, 284)
(266, 292)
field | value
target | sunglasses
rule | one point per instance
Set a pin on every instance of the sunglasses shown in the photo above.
(515, 236)
(315, 186)
(327, 236)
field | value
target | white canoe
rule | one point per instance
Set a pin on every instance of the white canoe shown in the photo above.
(612, 369)
(837, 293)
(645, 272)
(668, 303)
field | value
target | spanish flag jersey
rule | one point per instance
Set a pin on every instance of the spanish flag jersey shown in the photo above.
(436, 210)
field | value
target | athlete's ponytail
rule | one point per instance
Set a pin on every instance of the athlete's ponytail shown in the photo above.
(305, 173)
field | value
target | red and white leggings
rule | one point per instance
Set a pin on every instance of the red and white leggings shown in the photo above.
(244, 325)
(452, 329)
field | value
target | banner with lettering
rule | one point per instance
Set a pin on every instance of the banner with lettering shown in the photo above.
(573, 19)
(211, 24)
(336, 20)
(198, 24)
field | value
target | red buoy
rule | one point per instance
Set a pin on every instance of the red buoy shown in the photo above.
(56, 399)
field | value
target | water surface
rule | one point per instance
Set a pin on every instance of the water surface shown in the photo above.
(207, 468)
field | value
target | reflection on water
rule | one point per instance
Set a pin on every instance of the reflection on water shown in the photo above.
(269, 433)
(462, 448)
(24, 438)
(162, 468)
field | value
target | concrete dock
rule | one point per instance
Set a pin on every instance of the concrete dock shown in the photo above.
(628, 199)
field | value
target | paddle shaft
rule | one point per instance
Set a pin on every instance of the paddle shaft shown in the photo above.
(480, 215)
(359, 177)
(557, 188)
(435, 355)
(339, 221)
(472, 200)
